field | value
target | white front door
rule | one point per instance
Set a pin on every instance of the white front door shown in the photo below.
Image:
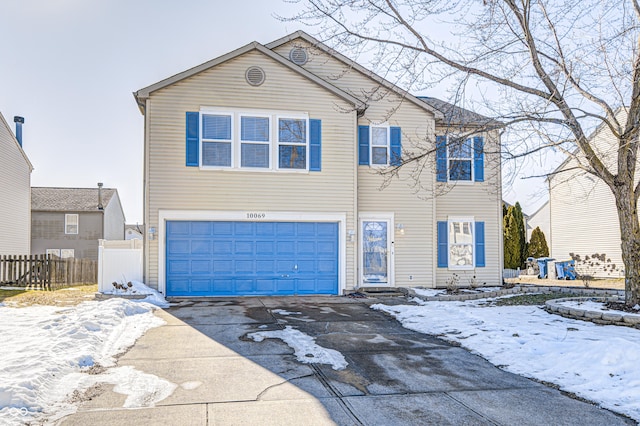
(376, 251)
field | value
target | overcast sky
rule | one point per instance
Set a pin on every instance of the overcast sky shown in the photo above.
(70, 67)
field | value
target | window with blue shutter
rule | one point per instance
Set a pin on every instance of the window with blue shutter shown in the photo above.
(480, 256)
(315, 145)
(396, 146)
(478, 158)
(292, 143)
(441, 158)
(363, 145)
(443, 244)
(216, 139)
(193, 139)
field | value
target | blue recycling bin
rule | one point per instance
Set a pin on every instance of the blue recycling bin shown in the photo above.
(566, 270)
(543, 265)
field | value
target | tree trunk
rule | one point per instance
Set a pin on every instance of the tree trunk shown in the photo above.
(630, 236)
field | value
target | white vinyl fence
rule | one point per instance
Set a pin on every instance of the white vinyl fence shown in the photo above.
(118, 261)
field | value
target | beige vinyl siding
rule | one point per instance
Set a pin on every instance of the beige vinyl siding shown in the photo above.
(584, 221)
(413, 251)
(15, 193)
(582, 211)
(482, 201)
(172, 186)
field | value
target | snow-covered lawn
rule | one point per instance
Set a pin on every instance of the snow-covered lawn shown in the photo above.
(599, 363)
(49, 355)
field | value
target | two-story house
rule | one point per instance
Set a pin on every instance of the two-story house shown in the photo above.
(68, 222)
(15, 191)
(264, 175)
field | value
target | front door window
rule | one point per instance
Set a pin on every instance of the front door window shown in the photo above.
(375, 252)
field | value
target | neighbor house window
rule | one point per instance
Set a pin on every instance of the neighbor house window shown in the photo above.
(70, 223)
(254, 141)
(460, 159)
(216, 140)
(380, 145)
(461, 243)
(292, 143)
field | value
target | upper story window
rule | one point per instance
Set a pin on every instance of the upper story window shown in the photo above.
(70, 223)
(258, 140)
(380, 145)
(292, 143)
(216, 140)
(459, 159)
(255, 138)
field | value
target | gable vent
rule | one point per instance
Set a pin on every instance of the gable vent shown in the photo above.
(298, 56)
(255, 76)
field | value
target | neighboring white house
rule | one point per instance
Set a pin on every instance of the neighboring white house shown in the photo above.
(15, 193)
(262, 177)
(133, 232)
(582, 213)
(540, 218)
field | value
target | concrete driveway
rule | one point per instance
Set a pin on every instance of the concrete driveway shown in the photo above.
(394, 376)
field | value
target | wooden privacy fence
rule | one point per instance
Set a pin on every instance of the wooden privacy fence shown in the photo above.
(46, 271)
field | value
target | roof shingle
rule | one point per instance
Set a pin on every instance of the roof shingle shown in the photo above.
(69, 199)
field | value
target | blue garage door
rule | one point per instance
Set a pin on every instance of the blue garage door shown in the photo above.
(251, 258)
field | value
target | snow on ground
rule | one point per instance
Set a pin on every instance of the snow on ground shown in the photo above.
(590, 305)
(599, 363)
(304, 346)
(44, 350)
(138, 288)
(433, 292)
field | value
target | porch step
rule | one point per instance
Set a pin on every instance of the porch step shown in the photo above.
(383, 291)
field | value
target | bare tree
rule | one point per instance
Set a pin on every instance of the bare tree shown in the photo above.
(559, 69)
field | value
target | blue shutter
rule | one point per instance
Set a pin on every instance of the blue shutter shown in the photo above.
(443, 245)
(441, 158)
(193, 139)
(478, 158)
(396, 146)
(363, 145)
(480, 260)
(315, 145)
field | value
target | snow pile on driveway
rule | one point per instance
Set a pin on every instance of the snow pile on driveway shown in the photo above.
(599, 363)
(44, 349)
(139, 288)
(305, 347)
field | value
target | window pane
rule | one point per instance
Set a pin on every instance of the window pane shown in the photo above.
(255, 155)
(293, 157)
(216, 154)
(460, 170)
(461, 255)
(254, 129)
(379, 136)
(216, 126)
(292, 130)
(460, 233)
(378, 155)
(460, 148)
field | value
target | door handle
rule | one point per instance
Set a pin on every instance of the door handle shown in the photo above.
(285, 276)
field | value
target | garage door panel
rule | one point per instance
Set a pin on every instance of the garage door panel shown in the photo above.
(251, 258)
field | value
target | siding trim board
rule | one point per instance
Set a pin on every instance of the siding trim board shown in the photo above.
(249, 216)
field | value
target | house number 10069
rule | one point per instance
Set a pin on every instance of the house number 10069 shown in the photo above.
(256, 215)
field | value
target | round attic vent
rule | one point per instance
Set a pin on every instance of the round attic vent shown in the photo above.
(298, 55)
(255, 76)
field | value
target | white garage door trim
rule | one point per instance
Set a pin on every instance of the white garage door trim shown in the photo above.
(250, 216)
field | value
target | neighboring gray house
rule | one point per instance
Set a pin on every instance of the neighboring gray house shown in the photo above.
(540, 218)
(68, 222)
(15, 189)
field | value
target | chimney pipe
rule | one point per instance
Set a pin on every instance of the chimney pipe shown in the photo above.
(18, 120)
(100, 207)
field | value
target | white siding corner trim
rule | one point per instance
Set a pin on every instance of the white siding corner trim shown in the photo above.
(250, 216)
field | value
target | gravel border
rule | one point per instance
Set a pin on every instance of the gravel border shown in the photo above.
(603, 318)
(518, 289)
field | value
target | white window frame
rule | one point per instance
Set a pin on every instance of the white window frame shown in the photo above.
(54, 252)
(202, 140)
(450, 159)
(240, 141)
(67, 253)
(276, 129)
(450, 243)
(67, 216)
(387, 146)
